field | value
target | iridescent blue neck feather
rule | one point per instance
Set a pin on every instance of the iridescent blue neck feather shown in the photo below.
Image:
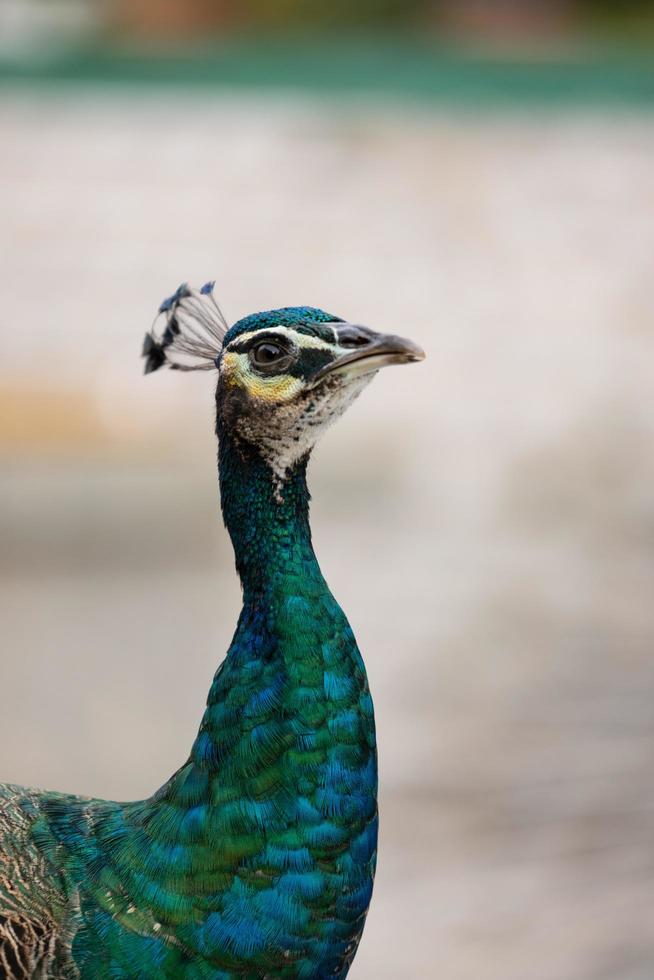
(256, 859)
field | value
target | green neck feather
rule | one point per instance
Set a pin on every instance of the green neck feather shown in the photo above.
(257, 857)
(268, 523)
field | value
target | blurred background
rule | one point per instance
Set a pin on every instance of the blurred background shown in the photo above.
(478, 176)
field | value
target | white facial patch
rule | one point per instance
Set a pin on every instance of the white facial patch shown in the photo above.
(285, 416)
(298, 425)
(302, 340)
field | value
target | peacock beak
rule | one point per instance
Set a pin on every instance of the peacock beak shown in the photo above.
(369, 352)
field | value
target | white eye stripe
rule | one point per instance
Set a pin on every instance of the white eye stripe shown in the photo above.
(301, 340)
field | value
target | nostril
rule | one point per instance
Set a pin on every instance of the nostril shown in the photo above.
(353, 337)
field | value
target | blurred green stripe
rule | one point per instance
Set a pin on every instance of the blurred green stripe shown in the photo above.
(410, 70)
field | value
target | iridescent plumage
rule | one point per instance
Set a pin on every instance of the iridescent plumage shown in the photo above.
(256, 859)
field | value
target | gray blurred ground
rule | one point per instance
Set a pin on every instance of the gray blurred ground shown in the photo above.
(486, 519)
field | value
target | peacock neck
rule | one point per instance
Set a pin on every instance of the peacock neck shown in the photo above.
(268, 522)
(278, 795)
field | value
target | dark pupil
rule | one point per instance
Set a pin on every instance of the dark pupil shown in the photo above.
(267, 353)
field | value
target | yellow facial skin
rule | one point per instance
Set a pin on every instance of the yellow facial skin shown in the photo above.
(238, 373)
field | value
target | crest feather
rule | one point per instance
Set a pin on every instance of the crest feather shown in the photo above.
(193, 331)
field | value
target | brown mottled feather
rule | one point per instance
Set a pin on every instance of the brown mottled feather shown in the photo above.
(34, 944)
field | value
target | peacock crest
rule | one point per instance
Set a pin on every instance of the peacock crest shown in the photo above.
(194, 328)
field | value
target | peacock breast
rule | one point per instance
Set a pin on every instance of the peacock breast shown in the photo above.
(289, 737)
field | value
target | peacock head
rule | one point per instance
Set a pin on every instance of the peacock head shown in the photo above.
(283, 375)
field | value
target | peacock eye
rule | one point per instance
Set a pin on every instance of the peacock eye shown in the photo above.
(269, 356)
(267, 353)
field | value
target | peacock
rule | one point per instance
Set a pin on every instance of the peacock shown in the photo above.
(256, 858)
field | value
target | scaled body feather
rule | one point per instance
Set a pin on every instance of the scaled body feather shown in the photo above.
(256, 859)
